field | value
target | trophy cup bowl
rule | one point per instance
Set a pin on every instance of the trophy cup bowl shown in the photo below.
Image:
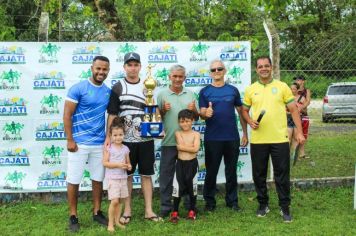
(151, 126)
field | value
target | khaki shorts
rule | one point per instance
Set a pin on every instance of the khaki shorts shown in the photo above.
(117, 188)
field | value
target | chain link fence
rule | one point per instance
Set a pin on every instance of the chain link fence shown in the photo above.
(328, 65)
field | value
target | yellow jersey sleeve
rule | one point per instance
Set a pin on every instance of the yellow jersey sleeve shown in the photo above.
(287, 94)
(247, 98)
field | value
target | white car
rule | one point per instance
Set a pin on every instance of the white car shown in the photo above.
(339, 101)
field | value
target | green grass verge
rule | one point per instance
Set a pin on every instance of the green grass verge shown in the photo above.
(332, 154)
(315, 212)
(331, 149)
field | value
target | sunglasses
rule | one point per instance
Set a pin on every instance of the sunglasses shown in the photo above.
(217, 69)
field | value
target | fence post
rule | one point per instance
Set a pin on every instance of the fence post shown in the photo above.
(274, 45)
(43, 27)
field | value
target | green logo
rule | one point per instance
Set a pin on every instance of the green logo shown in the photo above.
(12, 131)
(14, 180)
(51, 155)
(86, 181)
(199, 52)
(85, 74)
(123, 49)
(48, 53)
(9, 80)
(240, 164)
(234, 75)
(196, 95)
(49, 104)
(162, 77)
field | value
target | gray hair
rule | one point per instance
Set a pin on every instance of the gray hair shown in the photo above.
(217, 60)
(175, 68)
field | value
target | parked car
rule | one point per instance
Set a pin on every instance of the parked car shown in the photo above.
(339, 101)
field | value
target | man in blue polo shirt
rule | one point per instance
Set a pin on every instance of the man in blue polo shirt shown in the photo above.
(84, 124)
(218, 102)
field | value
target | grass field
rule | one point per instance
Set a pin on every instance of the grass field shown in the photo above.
(331, 148)
(315, 212)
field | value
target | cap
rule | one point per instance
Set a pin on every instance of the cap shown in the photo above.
(299, 77)
(131, 56)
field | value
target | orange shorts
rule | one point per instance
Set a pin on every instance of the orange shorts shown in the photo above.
(117, 188)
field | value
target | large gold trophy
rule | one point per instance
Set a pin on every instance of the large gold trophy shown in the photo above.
(151, 125)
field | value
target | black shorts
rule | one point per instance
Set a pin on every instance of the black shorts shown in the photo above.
(185, 179)
(290, 122)
(142, 154)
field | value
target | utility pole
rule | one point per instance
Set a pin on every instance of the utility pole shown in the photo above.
(44, 23)
(274, 45)
(59, 20)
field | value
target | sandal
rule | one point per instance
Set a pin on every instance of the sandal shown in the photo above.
(125, 219)
(154, 218)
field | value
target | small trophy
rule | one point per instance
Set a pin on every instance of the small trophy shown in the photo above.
(151, 125)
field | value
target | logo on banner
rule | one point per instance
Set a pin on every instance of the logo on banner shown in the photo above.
(234, 75)
(12, 55)
(199, 126)
(201, 172)
(116, 77)
(201, 149)
(49, 80)
(240, 164)
(9, 80)
(49, 104)
(157, 150)
(50, 131)
(157, 155)
(235, 52)
(51, 155)
(198, 78)
(85, 55)
(163, 54)
(123, 49)
(238, 124)
(162, 77)
(85, 74)
(136, 178)
(52, 180)
(13, 180)
(14, 157)
(15, 106)
(48, 53)
(243, 151)
(200, 154)
(12, 131)
(156, 169)
(86, 181)
(199, 52)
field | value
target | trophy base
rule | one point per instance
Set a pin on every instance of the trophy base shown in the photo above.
(151, 129)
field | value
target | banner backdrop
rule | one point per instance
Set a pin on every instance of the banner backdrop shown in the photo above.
(35, 78)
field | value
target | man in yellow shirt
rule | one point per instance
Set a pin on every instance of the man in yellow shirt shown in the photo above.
(269, 135)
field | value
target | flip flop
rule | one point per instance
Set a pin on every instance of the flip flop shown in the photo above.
(154, 218)
(125, 220)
